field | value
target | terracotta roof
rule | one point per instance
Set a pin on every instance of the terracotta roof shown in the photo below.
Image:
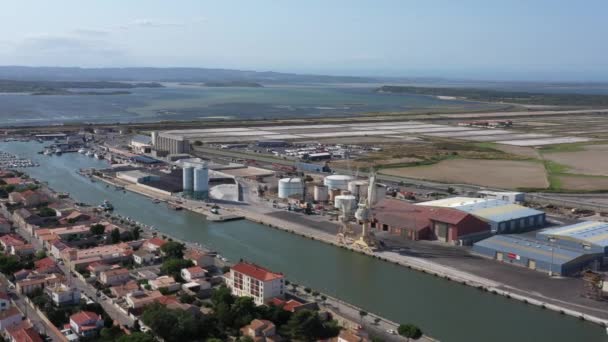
(196, 269)
(11, 240)
(13, 180)
(117, 271)
(44, 263)
(256, 272)
(83, 317)
(25, 335)
(289, 305)
(156, 241)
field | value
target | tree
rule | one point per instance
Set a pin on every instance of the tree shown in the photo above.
(9, 264)
(409, 331)
(186, 298)
(174, 266)
(198, 143)
(222, 295)
(377, 321)
(173, 249)
(306, 325)
(451, 190)
(136, 233)
(47, 212)
(115, 235)
(97, 229)
(136, 337)
(41, 254)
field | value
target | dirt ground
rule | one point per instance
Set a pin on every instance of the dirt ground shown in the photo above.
(582, 183)
(363, 164)
(505, 174)
(523, 151)
(593, 160)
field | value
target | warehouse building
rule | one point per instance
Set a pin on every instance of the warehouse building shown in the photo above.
(428, 223)
(136, 176)
(591, 235)
(173, 144)
(503, 217)
(141, 144)
(538, 255)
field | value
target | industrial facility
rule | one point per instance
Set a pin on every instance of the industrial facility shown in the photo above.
(591, 235)
(503, 217)
(539, 255)
(428, 223)
(195, 180)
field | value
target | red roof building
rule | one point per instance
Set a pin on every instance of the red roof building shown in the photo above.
(256, 272)
(154, 244)
(23, 334)
(427, 223)
(45, 265)
(86, 323)
(250, 280)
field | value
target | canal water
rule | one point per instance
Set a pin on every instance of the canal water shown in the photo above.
(444, 310)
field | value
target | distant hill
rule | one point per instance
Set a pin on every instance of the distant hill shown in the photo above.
(167, 75)
(63, 87)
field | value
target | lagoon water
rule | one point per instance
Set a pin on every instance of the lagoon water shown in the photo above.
(179, 102)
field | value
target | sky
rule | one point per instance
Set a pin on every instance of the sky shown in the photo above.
(471, 39)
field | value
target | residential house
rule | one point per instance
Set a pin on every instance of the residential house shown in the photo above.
(80, 258)
(290, 305)
(86, 323)
(5, 301)
(5, 226)
(10, 240)
(36, 282)
(56, 247)
(73, 217)
(28, 198)
(250, 280)
(21, 250)
(119, 291)
(45, 266)
(10, 317)
(139, 299)
(164, 282)
(200, 258)
(146, 274)
(154, 244)
(23, 334)
(194, 272)
(62, 294)
(349, 336)
(25, 219)
(96, 268)
(21, 274)
(143, 257)
(261, 330)
(114, 277)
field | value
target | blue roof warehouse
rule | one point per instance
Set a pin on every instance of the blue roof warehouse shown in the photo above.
(589, 234)
(538, 254)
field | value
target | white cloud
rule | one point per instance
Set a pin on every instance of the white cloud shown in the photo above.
(153, 23)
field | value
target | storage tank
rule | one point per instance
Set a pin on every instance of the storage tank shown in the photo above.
(321, 193)
(348, 201)
(333, 193)
(201, 179)
(289, 187)
(358, 188)
(188, 178)
(337, 181)
(154, 137)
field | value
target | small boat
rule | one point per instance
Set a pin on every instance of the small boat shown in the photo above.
(106, 206)
(89, 154)
(156, 201)
(82, 151)
(58, 151)
(47, 152)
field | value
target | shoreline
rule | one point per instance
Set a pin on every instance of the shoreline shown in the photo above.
(437, 270)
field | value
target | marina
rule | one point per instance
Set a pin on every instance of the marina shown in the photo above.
(393, 291)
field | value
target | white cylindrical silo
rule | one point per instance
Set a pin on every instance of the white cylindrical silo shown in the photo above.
(153, 136)
(337, 181)
(321, 193)
(289, 187)
(358, 188)
(188, 178)
(201, 179)
(346, 201)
